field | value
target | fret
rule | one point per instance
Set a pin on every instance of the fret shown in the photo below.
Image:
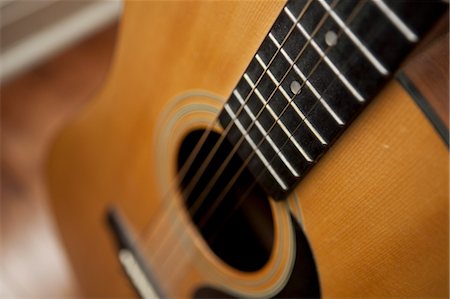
(255, 148)
(303, 9)
(267, 50)
(308, 57)
(385, 41)
(300, 7)
(265, 134)
(254, 71)
(355, 67)
(419, 23)
(308, 140)
(312, 16)
(304, 100)
(271, 76)
(290, 102)
(305, 85)
(376, 63)
(341, 101)
(345, 8)
(278, 68)
(308, 83)
(275, 117)
(292, 121)
(346, 56)
(322, 120)
(243, 87)
(248, 155)
(401, 26)
(344, 80)
(281, 28)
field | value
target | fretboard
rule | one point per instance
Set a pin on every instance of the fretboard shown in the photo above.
(318, 67)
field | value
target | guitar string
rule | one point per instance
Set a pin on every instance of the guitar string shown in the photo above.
(354, 13)
(151, 227)
(183, 171)
(318, 27)
(199, 173)
(246, 162)
(160, 221)
(199, 201)
(233, 180)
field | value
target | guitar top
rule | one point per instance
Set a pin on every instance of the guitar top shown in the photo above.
(258, 149)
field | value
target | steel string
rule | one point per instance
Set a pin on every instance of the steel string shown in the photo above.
(185, 168)
(217, 202)
(231, 183)
(199, 145)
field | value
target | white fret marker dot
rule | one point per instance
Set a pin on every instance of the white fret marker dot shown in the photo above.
(295, 87)
(331, 38)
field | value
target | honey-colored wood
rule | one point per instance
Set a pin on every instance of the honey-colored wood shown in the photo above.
(375, 209)
(165, 49)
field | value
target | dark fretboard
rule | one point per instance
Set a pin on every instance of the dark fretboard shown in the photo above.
(318, 67)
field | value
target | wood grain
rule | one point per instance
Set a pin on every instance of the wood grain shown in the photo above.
(376, 207)
(122, 173)
(375, 210)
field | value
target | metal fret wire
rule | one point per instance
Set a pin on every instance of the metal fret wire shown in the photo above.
(211, 154)
(217, 202)
(230, 184)
(233, 180)
(193, 209)
(165, 238)
(219, 172)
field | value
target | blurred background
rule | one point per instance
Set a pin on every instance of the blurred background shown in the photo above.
(54, 56)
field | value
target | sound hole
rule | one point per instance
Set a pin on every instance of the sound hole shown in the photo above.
(238, 230)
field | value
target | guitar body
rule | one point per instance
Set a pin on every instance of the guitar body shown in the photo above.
(374, 209)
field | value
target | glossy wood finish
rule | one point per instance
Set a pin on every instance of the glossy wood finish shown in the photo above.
(129, 106)
(375, 208)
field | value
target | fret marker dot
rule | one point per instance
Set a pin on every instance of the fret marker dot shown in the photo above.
(295, 87)
(331, 38)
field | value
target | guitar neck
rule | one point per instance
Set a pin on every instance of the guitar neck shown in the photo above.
(318, 67)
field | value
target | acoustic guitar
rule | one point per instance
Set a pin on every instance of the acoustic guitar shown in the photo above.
(258, 149)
